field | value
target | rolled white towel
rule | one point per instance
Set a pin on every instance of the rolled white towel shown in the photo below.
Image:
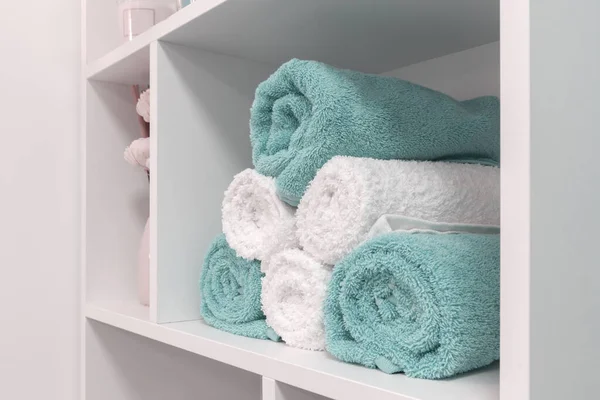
(349, 194)
(255, 222)
(138, 153)
(293, 291)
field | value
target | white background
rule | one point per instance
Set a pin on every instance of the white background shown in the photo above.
(39, 199)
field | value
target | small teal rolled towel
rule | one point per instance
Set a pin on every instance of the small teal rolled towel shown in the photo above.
(307, 112)
(230, 289)
(427, 304)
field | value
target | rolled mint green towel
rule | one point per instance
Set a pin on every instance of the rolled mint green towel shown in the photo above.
(307, 112)
(427, 304)
(230, 292)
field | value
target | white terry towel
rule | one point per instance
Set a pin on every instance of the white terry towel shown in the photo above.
(349, 194)
(293, 291)
(255, 222)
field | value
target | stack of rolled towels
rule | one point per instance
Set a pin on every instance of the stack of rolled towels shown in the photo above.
(369, 226)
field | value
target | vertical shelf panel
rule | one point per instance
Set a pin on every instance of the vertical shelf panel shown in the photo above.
(515, 202)
(201, 140)
(564, 273)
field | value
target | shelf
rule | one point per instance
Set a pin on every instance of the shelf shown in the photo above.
(316, 372)
(376, 36)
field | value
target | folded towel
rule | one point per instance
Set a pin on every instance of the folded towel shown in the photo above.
(349, 194)
(308, 112)
(230, 292)
(427, 304)
(256, 222)
(293, 291)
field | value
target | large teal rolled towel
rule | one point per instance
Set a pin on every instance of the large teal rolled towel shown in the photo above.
(307, 112)
(424, 303)
(230, 292)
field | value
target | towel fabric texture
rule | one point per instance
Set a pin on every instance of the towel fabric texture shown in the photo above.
(427, 304)
(230, 292)
(293, 292)
(256, 222)
(349, 194)
(307, 112)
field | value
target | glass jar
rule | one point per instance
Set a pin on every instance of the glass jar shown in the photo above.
(136, 16)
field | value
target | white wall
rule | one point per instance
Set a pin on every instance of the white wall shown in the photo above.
(39, 206)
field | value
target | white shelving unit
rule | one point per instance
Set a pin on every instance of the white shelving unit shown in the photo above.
(203, 64)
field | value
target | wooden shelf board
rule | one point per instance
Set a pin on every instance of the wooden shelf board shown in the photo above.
(316, 372)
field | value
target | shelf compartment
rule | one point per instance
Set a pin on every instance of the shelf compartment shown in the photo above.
(200, 114)
(374, 37)
(316, 372)
(116, 194)
(121, 365)
(128, 64)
